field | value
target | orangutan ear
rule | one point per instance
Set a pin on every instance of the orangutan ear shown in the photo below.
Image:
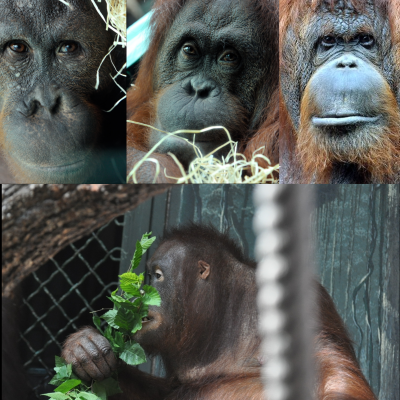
(204, 269)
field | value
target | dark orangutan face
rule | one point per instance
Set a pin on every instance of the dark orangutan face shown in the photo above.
(181, 280)
(163, 270)
(347, 116)
(50, 112)
(207, 73)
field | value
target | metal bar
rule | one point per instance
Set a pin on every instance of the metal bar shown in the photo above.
(281, 223)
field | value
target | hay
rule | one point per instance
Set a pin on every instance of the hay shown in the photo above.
(116, 21)
(207, 169)
(116, 18)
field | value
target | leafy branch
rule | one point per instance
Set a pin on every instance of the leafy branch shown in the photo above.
(123, 321)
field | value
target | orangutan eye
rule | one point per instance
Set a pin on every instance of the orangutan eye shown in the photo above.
(189, 50)
(328, 41)
(18, 47)
(229, 57)
(366, 40)
(68, 47)
(159, 275)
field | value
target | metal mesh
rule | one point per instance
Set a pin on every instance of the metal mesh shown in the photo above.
(57, 299)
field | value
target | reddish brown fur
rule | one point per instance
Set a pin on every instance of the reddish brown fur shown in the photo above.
(208, 337)
(340, 376)
(317, 159)
(267, 135)
(311, 161)
(141, 98)
(147, 171)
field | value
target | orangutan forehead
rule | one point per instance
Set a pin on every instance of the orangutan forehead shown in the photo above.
(346, 24)
(216, 13)
(47, 14)
(345, 6)
(57, 7)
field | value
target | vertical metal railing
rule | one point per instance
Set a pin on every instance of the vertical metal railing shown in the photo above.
(285, 298)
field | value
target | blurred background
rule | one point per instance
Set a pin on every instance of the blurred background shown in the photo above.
(135, 10)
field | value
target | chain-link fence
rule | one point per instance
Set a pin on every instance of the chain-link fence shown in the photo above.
(57, 299)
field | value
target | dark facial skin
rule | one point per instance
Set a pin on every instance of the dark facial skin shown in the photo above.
(51, 114)
(347, 92)
(207, 73)
(343, 76)
(329, 35)
(160, 319)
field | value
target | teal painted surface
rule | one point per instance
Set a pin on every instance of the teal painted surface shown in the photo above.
(220, 205)
(138, 38)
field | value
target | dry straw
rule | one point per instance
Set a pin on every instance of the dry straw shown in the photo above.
(232, 168)
(115, 21)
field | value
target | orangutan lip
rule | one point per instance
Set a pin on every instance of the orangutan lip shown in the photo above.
(146, 319)
(343, 120)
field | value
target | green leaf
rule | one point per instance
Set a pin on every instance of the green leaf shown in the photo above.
(108, 333)
(118, 299)
(88, 396)
(151, 297)
(142, 309)
(117, 343)
(99, 390)
(137, 324)
(68, 385)
(97, 323)
(130, 283)
(55, 382)
(62, 372)
(124, 319)
(133, 354)
(57, 396)
(146, 242)
(109, 317)
(137, 256)
(137, 303)
(60, 361)
(110, 386)
(141, 277)
(126, 296)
